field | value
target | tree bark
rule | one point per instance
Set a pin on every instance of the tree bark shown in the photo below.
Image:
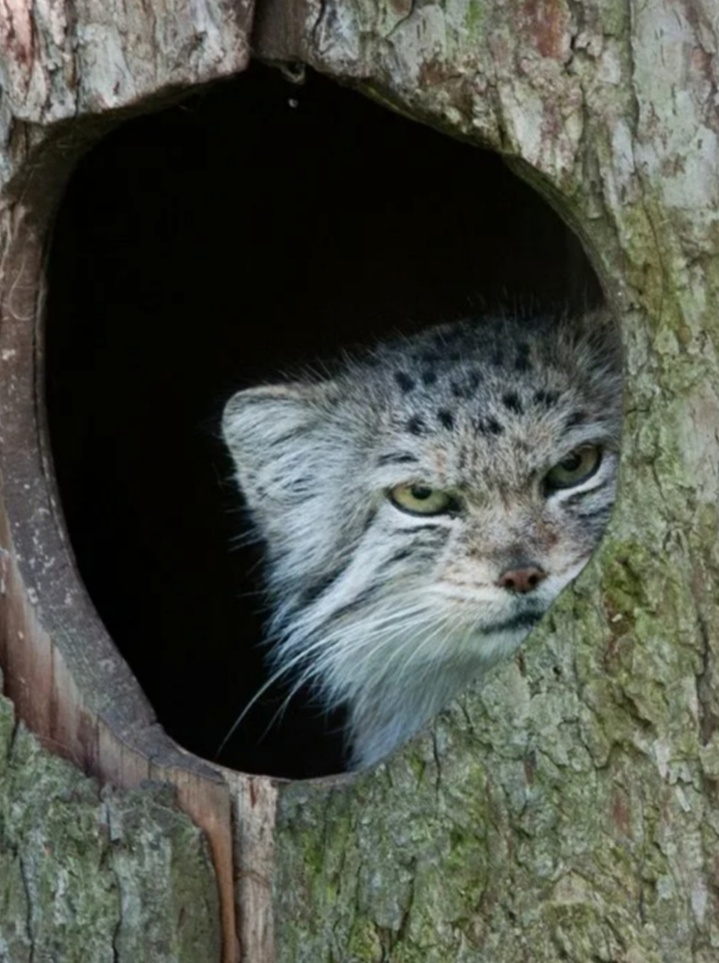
(91, 874)
(566, 810)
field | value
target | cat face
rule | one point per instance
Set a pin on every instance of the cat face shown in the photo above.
(496, 546)
(422, 508)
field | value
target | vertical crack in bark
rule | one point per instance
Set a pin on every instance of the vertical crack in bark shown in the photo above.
(25, 875)
(107, 811)
(438, 763)
(707, 718)
(403, 19)
(318, 26)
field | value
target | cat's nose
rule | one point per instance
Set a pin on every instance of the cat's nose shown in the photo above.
(522, 578)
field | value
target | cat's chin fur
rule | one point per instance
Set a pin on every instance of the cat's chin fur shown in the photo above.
(391, 613)
(395, 702)
(402, 658)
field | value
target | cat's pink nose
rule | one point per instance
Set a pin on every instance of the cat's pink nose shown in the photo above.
(523, 579)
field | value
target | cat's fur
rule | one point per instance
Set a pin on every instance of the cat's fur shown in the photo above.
(392, 613)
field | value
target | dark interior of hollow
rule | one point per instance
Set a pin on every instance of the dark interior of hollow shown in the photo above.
(253, 227)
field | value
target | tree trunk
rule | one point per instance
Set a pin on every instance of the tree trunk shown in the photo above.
(568, 809)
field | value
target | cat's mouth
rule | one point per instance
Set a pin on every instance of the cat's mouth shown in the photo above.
(520, 621)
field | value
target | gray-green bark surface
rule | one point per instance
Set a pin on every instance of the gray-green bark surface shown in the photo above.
(96, 876)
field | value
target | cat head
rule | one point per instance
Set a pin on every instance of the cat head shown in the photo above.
(423, 507)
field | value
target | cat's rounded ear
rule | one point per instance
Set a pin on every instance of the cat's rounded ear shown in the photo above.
(268, 431)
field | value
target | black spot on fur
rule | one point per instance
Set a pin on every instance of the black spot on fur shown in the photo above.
(521, 362)
(511, 400)
(496, 358)
(488, 426)
(405, 381)
(415, 425)
(578, 418)
(429, 377)
(445, 418)
(546, 398)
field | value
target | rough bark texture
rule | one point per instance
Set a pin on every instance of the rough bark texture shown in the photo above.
(569, 810)
(96, 875)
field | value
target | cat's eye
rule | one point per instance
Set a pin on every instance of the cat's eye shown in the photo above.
(422, 500)
(576, 468)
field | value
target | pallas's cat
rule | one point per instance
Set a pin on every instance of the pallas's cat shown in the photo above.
(423, 504)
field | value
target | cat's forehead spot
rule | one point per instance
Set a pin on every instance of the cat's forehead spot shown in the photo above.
(445, 418)
(488, 425)
(405, 381)
(415, 425)
(512, 401)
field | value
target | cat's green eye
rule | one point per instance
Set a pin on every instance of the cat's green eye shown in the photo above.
(421, 499)
(576, 468)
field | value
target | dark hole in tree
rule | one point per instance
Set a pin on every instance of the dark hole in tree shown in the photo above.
(251, 228)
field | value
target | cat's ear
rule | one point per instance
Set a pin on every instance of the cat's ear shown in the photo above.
(273, 433)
